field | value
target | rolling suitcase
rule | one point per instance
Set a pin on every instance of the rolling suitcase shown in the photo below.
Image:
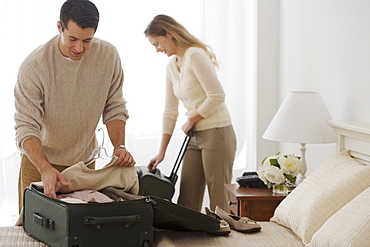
(113, 224)
(158, 184)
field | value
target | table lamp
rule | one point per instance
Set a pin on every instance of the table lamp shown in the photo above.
(301, 118)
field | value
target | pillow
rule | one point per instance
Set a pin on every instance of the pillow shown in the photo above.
(333, 184)
(350, 226)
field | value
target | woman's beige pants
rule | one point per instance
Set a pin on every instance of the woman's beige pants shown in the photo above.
(208, 161)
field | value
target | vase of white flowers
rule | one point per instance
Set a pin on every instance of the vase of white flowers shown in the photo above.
(280, 172)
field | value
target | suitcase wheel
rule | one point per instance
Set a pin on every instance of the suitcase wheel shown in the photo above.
(146, 243)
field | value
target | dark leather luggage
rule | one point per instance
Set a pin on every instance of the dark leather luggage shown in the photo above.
(158, 184)
(57, 223)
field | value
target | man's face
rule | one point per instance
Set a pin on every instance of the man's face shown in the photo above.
(74, 41)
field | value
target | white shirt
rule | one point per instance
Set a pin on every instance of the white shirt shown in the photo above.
(198, 87)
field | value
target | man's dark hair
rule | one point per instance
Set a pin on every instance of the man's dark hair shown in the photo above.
(83, 12)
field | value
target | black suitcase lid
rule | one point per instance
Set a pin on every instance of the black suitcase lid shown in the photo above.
(171, 216)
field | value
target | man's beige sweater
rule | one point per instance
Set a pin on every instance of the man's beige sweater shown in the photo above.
(60, 101)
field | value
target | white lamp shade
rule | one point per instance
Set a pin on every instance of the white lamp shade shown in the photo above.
(301, 118)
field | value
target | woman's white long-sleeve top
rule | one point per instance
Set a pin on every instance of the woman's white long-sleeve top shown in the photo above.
(198, 87)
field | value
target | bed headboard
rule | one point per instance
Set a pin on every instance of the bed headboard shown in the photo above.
(353, 136)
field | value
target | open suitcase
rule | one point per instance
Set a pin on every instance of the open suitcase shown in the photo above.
(158, 184)
(57, 223)
(170, 216)
(125, 223)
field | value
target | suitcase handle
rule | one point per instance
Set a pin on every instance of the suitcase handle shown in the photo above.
(42, 221)
(173, 175)
(97, 222)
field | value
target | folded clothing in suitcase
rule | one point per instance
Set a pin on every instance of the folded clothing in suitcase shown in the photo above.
(158, 184)
(57, 223)
(170, 216)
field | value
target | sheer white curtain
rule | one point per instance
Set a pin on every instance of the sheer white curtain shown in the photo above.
(225, 25)
(229, 27)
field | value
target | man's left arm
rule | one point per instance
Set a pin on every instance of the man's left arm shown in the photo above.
(116, 132)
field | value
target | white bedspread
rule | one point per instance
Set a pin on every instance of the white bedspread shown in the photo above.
(15, 236)
(271, 235)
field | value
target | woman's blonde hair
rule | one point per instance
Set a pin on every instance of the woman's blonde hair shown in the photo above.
(163, 24)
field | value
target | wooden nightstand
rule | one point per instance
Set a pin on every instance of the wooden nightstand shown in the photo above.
(254, 203)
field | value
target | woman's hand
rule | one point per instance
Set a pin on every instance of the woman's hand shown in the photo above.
(193, 118)
(153, 163)
(187, 127)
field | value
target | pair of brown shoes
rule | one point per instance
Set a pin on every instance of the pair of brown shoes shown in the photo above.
(224, 226)
(240, 224)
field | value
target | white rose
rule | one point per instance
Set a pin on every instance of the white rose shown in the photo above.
(261, 175)
(267, 163)
(275, 175)
(291, 165)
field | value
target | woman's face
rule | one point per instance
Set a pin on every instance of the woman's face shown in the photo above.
(163, 44)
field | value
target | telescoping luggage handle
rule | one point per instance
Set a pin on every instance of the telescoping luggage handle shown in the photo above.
(173, 177)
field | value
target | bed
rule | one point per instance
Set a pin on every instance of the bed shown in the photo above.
(331, 207)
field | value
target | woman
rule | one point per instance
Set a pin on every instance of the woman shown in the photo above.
(191, 77)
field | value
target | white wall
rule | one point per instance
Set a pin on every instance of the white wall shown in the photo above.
(267, 73)
(325, 47)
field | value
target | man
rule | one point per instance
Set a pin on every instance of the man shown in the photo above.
(63, 89)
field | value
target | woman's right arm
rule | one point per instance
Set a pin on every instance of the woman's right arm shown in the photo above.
(169, 121)
(153, 163)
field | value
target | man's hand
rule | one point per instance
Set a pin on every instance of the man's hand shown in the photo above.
(49, 177)
(116, 131)
(124, 158)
